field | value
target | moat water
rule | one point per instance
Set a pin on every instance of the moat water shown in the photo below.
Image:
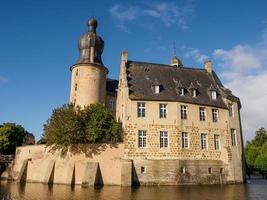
(254, 189)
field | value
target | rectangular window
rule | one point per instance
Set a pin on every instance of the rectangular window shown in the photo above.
(76, 87)
(183, 112)
(194, 93)
(164, 139)
(233, 137)
(162, 110)
(185, 140)
(141, 139)
(231, 110)
(216, 142)
(112, 105)
(181, 91)
(141, 109)
(202, 113)
(204, 141)
(215, 115)
(214, 95)
(156, 89)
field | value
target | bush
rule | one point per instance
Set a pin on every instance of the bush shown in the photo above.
(70, 124)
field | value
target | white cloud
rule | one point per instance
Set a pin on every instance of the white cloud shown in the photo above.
(244, 70)
(124, 14)
(195, 54)
(252, 91)
(168, 13)
(240, 58)
(3, 79)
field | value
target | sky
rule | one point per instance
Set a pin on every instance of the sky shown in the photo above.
(38, 44)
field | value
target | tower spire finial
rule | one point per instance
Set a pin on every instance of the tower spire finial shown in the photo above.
(174, 49)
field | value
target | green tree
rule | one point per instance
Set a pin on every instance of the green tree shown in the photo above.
(261, 163)
(251, 153)
(11, 136)
(260, 138)
(70, 124)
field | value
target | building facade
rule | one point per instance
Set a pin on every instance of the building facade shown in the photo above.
(180, 125)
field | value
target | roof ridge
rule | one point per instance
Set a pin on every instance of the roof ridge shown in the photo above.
(165, 65)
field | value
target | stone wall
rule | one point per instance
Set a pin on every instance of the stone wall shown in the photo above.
(71, 168)
(178, 172)
(231, 156)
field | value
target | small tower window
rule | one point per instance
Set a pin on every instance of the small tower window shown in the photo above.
(213, 95)
(77, 72)
(183, 170)
(76, 86)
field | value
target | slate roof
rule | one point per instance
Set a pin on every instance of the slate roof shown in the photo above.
(112, 86)
(142, 76)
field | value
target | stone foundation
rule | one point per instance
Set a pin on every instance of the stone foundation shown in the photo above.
(105, 164)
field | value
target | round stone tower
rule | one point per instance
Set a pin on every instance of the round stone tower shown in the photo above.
(88, 75)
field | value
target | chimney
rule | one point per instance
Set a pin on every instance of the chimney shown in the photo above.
(208, 66)
(124, 56)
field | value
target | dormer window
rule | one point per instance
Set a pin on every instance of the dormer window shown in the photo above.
(156, 89)
(213, 95)
(194, 93)
(181, 91)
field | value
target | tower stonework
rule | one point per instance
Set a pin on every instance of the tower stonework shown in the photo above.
(89, 75)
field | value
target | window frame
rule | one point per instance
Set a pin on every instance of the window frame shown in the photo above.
(185, 140)
(163, 110)
(217, 141)
(204, 140)
(214, 95)
(184, 112)
(141, 109)
(181, 91)
(142, 139)
(164, 140)
(202, 118)
(233, 137)
(231, 110)
(215, 114)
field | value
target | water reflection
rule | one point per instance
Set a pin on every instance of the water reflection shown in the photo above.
(33, 191)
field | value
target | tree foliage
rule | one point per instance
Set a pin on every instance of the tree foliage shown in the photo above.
(70, 124)
(11, 136)
(256, 152)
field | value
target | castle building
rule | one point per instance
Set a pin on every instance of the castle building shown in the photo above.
(180, 125)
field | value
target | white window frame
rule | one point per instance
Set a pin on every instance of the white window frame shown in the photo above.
(213, 95)
(231, 110)
(233, 137)
(185, 140)
(204, 141)
(202, 114)
(217, 142)
(164, 139)
(184, 112)
(156, 89)
(194, 93)
(142, 139)
(163, 110)
(215, 115)
(181, 91)
(141, 109)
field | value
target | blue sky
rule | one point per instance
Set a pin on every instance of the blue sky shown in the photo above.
(38, 44)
